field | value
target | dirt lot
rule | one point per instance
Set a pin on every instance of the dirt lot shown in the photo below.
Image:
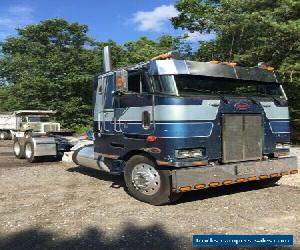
(61, 206)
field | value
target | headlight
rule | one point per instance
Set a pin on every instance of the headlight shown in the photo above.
(283, 146)
(188, 153)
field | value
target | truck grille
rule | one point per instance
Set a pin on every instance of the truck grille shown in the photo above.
(241, 137)
(50, 127)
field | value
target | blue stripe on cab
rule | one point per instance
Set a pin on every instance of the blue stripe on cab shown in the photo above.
(178, 130)
(280, 126)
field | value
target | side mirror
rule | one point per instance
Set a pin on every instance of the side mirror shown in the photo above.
(121, 82)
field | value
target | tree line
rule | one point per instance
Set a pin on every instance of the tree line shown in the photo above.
(52, 64)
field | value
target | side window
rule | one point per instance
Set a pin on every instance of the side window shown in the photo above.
(137, 83)
(134, 83)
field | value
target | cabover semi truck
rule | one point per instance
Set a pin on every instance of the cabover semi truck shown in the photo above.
(172, 126)
(26, 122)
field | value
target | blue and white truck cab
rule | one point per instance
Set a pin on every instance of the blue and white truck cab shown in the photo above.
(172, 126)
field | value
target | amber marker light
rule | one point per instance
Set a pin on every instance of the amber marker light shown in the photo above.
(151, 138)
(251, 178)
(294, 171)
(231, 64)
(199, 186)
(239, 180)
(185, 189)
(263, 177)
(214, 62)
(214, 184)
(274, 175)
(284, 173)
(227, 182)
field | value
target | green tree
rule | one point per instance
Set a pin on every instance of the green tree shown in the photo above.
(249, 32)
(47, 66)
(144, 49)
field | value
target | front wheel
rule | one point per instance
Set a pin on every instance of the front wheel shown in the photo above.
(147, 183)
(29, 152)
(19, 150)
(3, 135)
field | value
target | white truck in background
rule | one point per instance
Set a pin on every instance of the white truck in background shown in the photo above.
(26, 122)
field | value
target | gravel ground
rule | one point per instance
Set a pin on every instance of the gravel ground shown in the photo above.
(61, 206)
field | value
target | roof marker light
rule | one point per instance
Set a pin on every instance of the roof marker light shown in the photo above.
(163, 56)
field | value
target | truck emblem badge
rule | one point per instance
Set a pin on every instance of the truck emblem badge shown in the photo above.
(241, 106)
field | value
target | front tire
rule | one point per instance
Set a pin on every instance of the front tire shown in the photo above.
(19, 149)
(147, 183)
(3, 135)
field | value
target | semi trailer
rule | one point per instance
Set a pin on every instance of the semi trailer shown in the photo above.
(172, 126)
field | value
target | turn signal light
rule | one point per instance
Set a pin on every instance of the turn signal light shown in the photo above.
(185, 189)
(227, 182)
(151, 138)
(294, 171)
(119, 81)
(251, 178)
(214, 184)
(199, 186)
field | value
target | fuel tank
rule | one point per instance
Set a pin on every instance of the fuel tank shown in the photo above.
(86, 157)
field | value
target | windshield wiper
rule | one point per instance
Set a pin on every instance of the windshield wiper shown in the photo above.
(198, 90)
(276, 101)
(221, 96)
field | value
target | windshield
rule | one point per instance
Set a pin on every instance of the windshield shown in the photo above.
(38, 119)
(193, 85)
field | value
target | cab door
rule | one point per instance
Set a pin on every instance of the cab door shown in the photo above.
(134, 110)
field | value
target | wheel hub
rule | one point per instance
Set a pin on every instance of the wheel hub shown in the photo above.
(145, 179)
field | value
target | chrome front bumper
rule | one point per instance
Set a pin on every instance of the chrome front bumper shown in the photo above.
(193, 178)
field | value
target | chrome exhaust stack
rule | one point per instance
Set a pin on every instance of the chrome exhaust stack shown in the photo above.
(85, 157)
(106, 59)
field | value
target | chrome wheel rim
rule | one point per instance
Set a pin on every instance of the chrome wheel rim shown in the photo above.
(28, 151)
(145, 179)
(17, 148)
(2, 136)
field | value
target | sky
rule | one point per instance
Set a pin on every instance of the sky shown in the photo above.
(118, 20)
